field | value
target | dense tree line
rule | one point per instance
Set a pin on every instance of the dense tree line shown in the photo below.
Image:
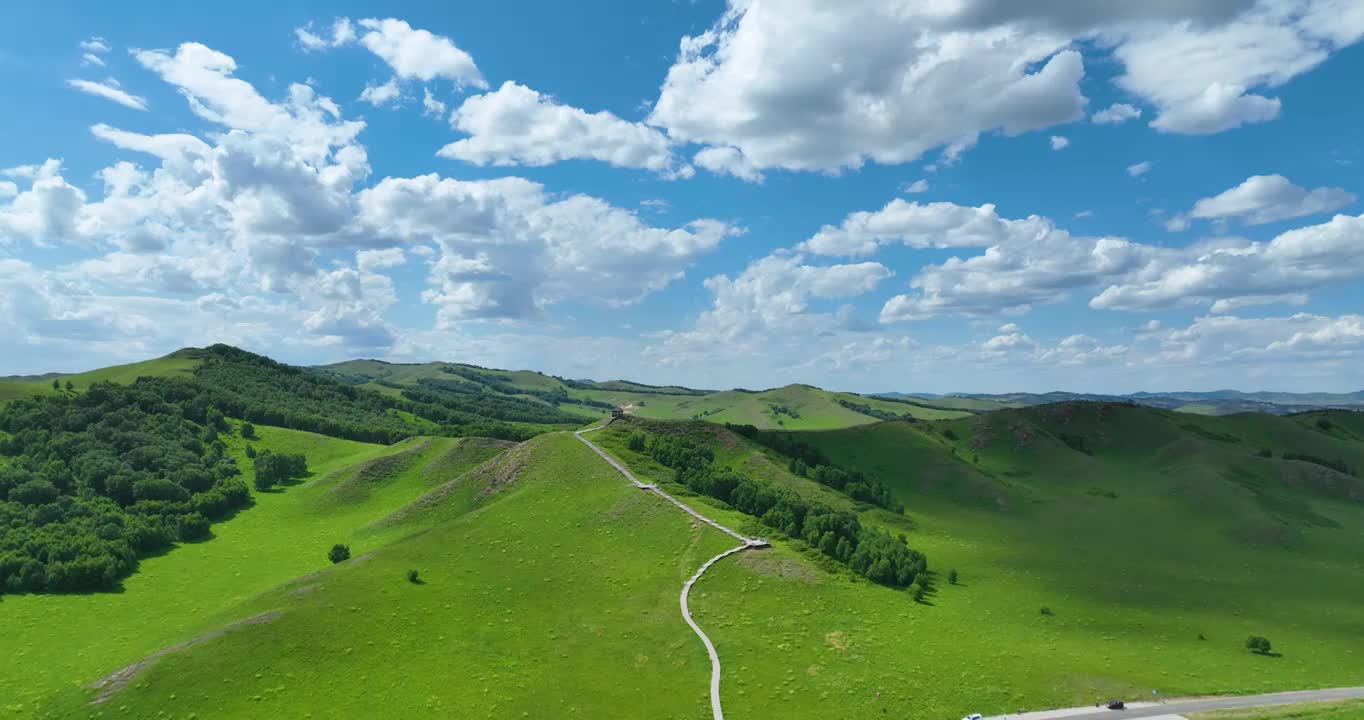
(809, 461)
(873, 412)
(872, 553)
(276, 469)
(257, 389)
(1337, 465)
(481, 404)
(496, 383)
(91, 481)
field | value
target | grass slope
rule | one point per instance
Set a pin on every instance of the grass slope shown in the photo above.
(815, 409)
(1133, 580)
(556, 597)
(175, 364)
(194, 587)
(1306, 711)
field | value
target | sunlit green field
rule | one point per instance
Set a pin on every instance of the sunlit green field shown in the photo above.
(555, 597)
(56, 643)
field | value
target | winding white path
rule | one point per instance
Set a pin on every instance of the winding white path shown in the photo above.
(716, 712)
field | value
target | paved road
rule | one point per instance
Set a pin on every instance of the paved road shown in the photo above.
(1181, 707)
(716, 712)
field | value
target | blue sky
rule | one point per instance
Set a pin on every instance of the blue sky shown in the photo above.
(959, 195)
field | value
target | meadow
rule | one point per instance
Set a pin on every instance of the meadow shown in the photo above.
(554, 596)
(194, 587)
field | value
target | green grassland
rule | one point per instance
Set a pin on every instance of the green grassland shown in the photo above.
(793, 407)
(1157, 540)
(814, 409)
(555, 596)
(193, 587)
(173, 365)
(1158, 554)
(1307, 711)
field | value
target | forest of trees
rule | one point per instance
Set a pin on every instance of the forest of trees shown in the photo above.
(809, 461)
(872, 553)
(255, 388)
(476, 402)
(877, 413)
(89, 482)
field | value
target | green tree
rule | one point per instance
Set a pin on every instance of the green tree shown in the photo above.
(1258, 644)
(339, 553)
(56, 384)
(636, 442)
(919, 593)
(69, 386)
(952, 576)
(414, 577)
(248, 431)
(250, 451)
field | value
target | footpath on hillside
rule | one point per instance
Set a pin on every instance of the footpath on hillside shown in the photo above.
(745, 544)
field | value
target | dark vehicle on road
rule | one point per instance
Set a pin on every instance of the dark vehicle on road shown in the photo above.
(1115, 705)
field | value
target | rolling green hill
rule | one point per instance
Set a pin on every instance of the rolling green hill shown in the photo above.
(1098, 550)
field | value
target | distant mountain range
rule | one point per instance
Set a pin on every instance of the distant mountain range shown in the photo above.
(1217, 402)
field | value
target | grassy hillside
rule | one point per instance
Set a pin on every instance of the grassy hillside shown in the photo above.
(1155, 541)
(198, 586)
(1310, 711)
(178, 364)
(1154, 554)
(558, 596)
(793, 407)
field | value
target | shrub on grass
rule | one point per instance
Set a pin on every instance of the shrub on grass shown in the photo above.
(56, 384)
(1324, 424)
(636, 443)
(1257, 644)
(949, 434)
(413, 577)
(250, 451)
(339, 553)
(248, 431)
(70, 386)
(952, 576)
(919, 593)
(1046, 610)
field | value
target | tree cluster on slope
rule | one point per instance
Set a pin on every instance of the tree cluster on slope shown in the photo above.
(806, 460)
(91, 481)
(838, 534)
(257, 389)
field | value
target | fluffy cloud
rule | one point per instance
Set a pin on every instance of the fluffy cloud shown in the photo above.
(811, 85)
(1139, 169)
(766, 308)
(508, 249)
(430, 105)
(92, 59)
(517, 125)
(109, 90)
(1294, 262)
(95, 44)
(342, 32)
(1030, 261)
(1269, 198)
(381, 95)
(807, 85)
(372, 260)
(940, 224)
(1202, 77)
(46, 211)
(916, 187)
(1059, 143)
(1115, 114)
(419, 54)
